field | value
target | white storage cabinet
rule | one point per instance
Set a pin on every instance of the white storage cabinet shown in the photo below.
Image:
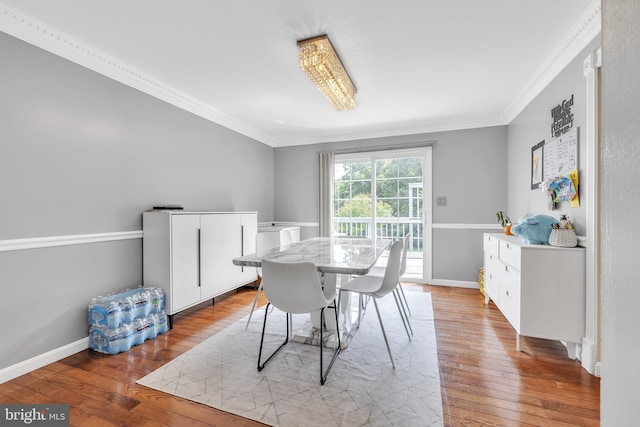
(275, 236)
(189, 254)
(540, 289)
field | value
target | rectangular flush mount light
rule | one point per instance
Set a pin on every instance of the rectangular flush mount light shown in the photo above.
(321, 63)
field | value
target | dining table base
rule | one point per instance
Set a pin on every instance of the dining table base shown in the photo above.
(349, 315)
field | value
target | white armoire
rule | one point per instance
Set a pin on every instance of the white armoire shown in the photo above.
(189, 254)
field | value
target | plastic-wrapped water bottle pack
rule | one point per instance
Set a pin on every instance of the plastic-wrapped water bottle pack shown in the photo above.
(123, 307)
(121, 320)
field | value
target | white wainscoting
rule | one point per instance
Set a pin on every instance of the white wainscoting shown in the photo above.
(56, 354)
(78, 239)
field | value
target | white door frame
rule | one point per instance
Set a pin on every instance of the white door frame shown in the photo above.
(591, 341)
(427, 194)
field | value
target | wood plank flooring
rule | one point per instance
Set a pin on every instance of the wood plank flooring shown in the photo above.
(485, 381)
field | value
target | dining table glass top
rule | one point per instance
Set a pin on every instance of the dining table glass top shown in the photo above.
(339, 254)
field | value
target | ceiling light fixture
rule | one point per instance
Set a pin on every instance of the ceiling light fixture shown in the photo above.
(321, 63)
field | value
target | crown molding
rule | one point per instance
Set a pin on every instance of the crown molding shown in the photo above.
(26, 28)
(374, 133)
(581, 34)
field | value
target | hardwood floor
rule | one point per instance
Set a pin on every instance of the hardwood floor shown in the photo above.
(484, 380)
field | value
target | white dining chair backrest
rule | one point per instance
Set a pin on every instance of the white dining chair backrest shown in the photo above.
(293, 287)
(296, 288)
(392, 271)
(405, 249)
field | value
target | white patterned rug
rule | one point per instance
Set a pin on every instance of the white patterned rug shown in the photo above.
(362, 388)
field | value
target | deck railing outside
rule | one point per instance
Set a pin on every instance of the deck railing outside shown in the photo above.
(392, 228)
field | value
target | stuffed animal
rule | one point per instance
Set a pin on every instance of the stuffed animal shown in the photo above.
(535, 229)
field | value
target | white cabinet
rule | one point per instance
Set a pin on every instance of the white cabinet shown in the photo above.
(275, 236)
(190, 254)
(233, 235)
(184, 260)
(540, 289)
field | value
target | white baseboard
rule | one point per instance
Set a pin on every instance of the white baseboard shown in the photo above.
(39, 361)
(598, 370)
(455, 283)
(589, 357)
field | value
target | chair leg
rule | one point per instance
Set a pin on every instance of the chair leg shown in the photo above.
(264, 325)
(323, 375)
(404, 298)
(406, 316)
(253, 307)
(403, 314)
(405, 305)
(384, 334)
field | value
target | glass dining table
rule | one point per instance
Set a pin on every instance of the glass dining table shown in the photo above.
(337, 259)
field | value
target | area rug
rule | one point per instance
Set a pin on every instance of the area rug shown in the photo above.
(362, 388)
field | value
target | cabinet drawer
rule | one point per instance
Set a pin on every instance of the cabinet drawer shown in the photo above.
(492, 269)
(510, 295)
(491, 245)
(510, 254)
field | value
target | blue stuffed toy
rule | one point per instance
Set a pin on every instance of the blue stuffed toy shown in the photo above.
(535, 229)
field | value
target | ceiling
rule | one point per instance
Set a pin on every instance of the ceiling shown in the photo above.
(419, 65)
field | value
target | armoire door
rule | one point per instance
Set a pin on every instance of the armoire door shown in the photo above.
(185, 261)
(221, 242)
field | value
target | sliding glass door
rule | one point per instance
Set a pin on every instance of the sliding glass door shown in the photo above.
(396, 183)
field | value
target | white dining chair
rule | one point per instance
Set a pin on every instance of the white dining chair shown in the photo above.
(264, 241)
(377, 287)
(403, 267)
(379, 272)
(255, 300)
(296, 288)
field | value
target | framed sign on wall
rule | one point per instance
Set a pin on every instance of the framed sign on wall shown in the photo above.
(561, 155)
(537, 165)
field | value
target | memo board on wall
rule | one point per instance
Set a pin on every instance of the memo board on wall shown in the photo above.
(560, 155)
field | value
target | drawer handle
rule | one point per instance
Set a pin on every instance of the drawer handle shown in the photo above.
(506, 268)
(508, 246)
(507, 292)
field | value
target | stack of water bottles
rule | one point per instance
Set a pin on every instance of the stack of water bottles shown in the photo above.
(121, 320)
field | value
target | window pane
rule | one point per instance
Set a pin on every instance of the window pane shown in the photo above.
(387, 168)
(341, 172)
(342, 190)
(338, 207)
(361, 170)
(406, 184)
(398, 204)
(385, 208)
(361, 188)
(410, 167)
(403, 208)
(386, 188)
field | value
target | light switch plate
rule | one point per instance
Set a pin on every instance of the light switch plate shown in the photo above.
(441, 201)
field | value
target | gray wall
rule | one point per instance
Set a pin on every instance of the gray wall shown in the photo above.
(469, 168)
(533, 125)
(83, 154)
(620, 204)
